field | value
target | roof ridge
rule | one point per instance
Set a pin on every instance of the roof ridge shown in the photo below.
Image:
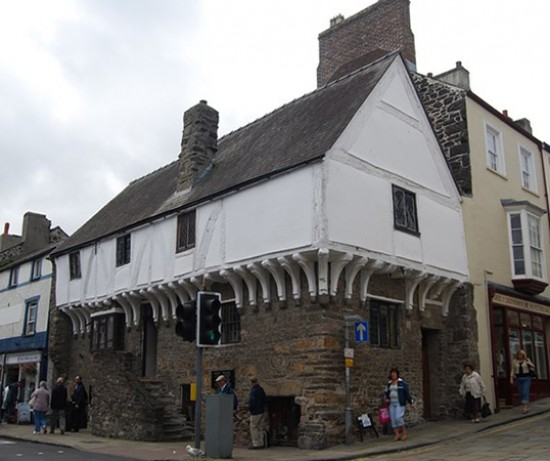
(152, 172)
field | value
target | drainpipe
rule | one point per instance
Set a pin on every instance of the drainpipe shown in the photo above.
(541, 150)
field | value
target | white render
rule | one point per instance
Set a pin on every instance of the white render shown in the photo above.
(337, 213)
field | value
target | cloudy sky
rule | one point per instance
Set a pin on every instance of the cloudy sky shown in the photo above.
(92, 92)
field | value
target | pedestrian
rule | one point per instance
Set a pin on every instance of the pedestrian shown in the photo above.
(225, 388)
(11, 401)
(58, 405)
(79, 400)
(522, 368)
(397, 396)
(41, 398)
(472, 388)
(257, 402)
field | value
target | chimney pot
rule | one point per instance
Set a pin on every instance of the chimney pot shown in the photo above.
(6, 228)
(336, 20)
(505, 113)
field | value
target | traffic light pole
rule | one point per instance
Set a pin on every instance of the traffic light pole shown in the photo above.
(198, 402)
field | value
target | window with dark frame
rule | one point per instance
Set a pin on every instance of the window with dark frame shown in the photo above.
(123, 250)
(107, 332)
(384, 325)
(74, 265)
(186, 231)
(231, 323)
(36, 271)
(14, 277)
(404, 210)
(31, 313)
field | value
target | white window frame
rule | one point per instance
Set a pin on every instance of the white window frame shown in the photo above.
(31, 316)
(527, 169)
(36, 270)
(528, 241)
(495, 150)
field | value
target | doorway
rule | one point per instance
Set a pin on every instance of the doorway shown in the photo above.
(149, 343)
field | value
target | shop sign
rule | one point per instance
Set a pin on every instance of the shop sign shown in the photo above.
(27, 357)
(530, 306)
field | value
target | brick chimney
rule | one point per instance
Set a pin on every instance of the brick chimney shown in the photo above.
(351, 43)
(198, 143)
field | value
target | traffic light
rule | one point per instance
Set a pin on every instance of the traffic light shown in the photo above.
(209, 306)
(186, 323)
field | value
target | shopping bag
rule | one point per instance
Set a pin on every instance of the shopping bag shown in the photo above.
(384, 415)
(486, 410)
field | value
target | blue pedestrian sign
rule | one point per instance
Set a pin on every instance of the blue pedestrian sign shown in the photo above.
(362, 332)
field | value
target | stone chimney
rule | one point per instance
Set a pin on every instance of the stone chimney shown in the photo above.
(458, 76)
(198, 143)
(364, 37)
(36, 231)
(525, 124)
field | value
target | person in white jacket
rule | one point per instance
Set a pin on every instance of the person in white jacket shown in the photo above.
(472, 388)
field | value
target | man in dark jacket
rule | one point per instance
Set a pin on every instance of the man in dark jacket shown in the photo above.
(58, 403)
(257, 401)
(79, 400)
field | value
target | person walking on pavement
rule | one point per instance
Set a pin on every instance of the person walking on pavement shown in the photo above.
(257, 401)
(522, 369)
(397, 395)
(472, 388)
(58, 405)
(79, 400)
(40, 407)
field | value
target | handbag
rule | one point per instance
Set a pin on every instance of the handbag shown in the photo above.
(486, 410)
(384, 415)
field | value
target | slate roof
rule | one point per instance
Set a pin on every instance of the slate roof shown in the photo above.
(297, 133)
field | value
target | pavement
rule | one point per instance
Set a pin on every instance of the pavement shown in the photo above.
(425, 434)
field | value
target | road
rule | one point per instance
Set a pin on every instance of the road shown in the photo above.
(527, 440)
(11, 450)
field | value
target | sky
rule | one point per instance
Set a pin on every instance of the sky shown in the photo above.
(92, 92)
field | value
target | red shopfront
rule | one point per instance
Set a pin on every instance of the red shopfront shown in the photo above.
(519, 323)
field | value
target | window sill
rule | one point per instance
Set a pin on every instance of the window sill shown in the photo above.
(531, 191)
(498, 173)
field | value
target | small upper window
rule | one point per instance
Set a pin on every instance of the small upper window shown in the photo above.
(384, 325)
(495, 154)
(527, 169)
(14, 276)
(31, 313)
(186, 231)
(123, 248)
(74, 265)
(404, 210)
(36, 269)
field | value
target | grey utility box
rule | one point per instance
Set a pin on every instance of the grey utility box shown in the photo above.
(219, 426)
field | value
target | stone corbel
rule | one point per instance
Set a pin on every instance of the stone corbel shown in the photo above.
(155, 305)
(263, 277)
(135, 301)
(293, 270)
(173, 300)
(81, 319)
(278, 274)
(412, 280)
(424, 288)
(85, 310)
(323, 255)
(352, 269)
(446, 296)
(438, 288)
(183, 296)
(308, 266)
(163, 303)
(67, 310)
(374, 265)
(199, 283)
(127, 308)
(336, 268)
(236, 283)
(189, 288)
(251, 284)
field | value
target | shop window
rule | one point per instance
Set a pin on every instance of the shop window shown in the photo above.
(186, 231)
(231, 323)
(108, 332)
(384, 325)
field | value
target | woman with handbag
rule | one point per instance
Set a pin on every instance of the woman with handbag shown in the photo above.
(472, 388)
(522, 372)
(40, 405)
(397, 395)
